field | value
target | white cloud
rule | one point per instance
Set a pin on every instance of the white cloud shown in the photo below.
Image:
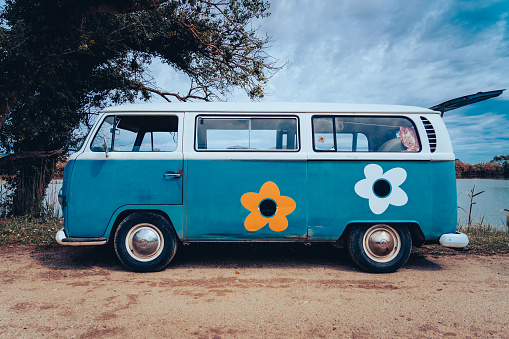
(381, 51)
(479, 137)
(393, 52)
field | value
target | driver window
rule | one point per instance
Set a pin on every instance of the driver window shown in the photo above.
(137, 134)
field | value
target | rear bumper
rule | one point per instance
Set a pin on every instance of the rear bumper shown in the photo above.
(454, 240)
(62, 239)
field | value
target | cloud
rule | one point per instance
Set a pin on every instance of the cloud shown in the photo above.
(479, 136)
(386, 51)
(395, 52)
(419, 53)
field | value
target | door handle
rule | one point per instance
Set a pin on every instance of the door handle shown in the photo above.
(173, 175)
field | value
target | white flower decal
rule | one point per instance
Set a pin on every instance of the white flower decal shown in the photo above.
(382, 189)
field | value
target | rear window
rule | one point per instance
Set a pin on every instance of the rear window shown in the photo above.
(246, 134)
(364, 134)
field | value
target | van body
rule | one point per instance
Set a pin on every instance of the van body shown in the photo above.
(376, 179)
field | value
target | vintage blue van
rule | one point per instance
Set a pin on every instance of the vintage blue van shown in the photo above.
(375, 179)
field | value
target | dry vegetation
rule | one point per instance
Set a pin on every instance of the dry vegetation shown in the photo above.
(492, 170)
(40, 232)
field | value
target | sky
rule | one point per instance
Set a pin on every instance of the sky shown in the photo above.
(419, 53)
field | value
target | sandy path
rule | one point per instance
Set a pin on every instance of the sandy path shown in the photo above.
(262, 290)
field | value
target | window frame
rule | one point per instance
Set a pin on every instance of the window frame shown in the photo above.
(351, 115)
(112, 143)
(248, 117)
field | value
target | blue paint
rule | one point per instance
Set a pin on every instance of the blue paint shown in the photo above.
(214, 210)
(211, 210)
(98, 188)
(333, 203)
(174, 212)
(443, 190)
(66, 182)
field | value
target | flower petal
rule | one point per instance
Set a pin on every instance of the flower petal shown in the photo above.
(254, 221)
(378, 205)
(285, 205)
(269, 190)
(397, 197)
(250, 201)
(373, 171)
(364, 188)
(396, 176)
(278, 223)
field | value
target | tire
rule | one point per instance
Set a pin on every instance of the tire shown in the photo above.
(380, 248)
(145, 242)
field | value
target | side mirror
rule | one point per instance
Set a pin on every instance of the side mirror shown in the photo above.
(105, 145)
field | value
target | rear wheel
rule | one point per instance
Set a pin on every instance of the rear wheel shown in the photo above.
(145, 242)
(380, 248)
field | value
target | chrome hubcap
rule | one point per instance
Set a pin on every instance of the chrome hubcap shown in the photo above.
(381, 243)
(144, 242)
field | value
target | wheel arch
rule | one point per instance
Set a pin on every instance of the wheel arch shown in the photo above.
(125, 213)
(414, 228)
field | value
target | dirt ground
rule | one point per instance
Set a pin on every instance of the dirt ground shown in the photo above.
(249, 290)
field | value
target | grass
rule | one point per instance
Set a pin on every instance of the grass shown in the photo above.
(486, 238)
(37, 232)
(483, 239)
(40, 232)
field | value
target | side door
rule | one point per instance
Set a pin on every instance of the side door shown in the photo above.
(131, 160)
(246, 178)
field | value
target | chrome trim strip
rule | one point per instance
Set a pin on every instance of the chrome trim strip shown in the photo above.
(63, 240)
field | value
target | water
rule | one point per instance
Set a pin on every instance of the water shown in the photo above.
(489, 204)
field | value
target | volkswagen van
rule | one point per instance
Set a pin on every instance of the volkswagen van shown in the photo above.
(376, 179)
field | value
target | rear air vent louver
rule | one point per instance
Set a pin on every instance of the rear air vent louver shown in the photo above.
(432, 136)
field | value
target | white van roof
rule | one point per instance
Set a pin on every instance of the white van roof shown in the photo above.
(273, 107)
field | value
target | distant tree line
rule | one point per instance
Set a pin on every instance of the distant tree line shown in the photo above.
(496, 168)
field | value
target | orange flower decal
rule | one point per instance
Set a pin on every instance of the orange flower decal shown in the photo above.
(268, 206)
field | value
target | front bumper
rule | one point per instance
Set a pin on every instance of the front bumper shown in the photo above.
(62, 239)
(454, 240)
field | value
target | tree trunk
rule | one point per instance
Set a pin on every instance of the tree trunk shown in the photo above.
(27, 183)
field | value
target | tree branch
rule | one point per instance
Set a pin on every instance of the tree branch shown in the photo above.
(113, 9)
(193, 31)
(190, 94)
(216, 6)
(28, 154)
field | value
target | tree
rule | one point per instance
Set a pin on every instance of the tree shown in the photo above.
(500, 158)
(504, 161)
(62, 60)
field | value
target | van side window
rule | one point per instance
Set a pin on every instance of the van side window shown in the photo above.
(364, 134)
(247, 134)
(137, 134)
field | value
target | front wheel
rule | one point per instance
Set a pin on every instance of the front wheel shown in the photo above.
(380, 248)
(145, 242)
